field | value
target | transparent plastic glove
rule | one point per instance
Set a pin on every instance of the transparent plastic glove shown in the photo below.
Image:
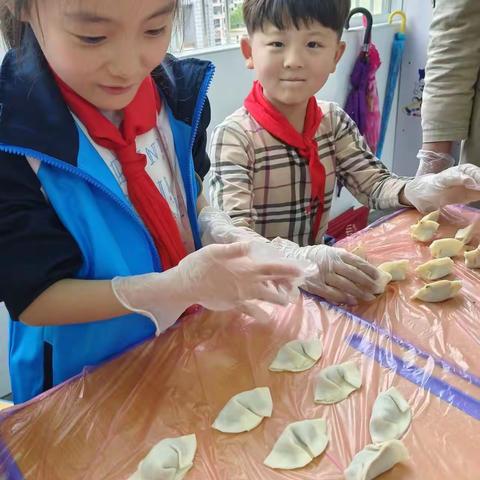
(433, 162)
(216, 226)
(341, 277)
(218, 277)
(459, 184)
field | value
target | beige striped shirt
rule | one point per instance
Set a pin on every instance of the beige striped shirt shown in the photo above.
(265, 185)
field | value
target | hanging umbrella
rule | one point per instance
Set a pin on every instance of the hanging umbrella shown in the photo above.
(398, 48)
(362, 103)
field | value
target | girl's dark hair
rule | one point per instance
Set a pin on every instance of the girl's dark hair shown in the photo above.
(11, 26)
(283, 13)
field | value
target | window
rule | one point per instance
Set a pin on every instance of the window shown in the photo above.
(210, 23)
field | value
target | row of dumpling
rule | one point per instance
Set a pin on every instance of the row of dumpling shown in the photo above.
(301, 441)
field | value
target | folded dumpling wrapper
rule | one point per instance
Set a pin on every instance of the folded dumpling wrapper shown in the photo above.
(438, 291)
(397, 269)
(298, 444)
(446, 247)
(391, 416)
(384, 278)
(297, 356)
(465, 234)
(359, 251)
(245, 411)
(169, 459)
(435, 269)
(432, 216)
(472, 258)
(374, 460)
(335, 383)
(424, 230)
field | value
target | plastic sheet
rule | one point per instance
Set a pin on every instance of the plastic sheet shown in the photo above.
(102, 423)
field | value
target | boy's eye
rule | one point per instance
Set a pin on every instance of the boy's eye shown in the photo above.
(91, 40)
(276, 44)
(313, 45)
(155, 32)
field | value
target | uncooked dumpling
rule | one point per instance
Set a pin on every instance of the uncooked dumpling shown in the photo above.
(359, 251)
(169, 459)
(472, 258)
(391, 416)
(299, 444)
(446, 247)
(432, 216)
(374, 460)
(335, 383)
(297, 356)
(465, 234)
(397, 269)
(245, 411)
(438, 291)
(424, 230)
(435, 269)
(384, 278)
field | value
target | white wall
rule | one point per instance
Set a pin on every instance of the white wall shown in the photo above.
(233, 81)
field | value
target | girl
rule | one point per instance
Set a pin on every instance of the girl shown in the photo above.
(101, 133)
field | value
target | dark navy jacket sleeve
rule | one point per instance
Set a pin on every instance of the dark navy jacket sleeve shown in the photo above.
(35, 248)
(200, 156)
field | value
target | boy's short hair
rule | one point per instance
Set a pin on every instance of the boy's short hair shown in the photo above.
(285, 13)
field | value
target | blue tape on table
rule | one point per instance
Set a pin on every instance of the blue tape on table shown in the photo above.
(417, 375)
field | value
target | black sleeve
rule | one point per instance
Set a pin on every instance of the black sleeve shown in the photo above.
(200, 157)
(36, 250)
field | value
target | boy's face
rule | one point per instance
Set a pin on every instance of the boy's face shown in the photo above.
(103, 49)
(292, 65)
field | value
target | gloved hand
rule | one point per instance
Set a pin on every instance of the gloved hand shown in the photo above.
(459, 184)
(218, 277)
(433, 162)
(341, 278)
(216, 226)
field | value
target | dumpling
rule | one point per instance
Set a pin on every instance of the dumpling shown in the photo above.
(472, 258)
(435, 269)
(374, 460)
(170, 459)
(245, 411)
(391, 416)
(297, 356)
(335, 383)
(432, 216)
(465, 234)
(383, 280)
(299, 444)
(424, 230)
(359, 251)
(446, 247)
(397, 269)
(438, 291)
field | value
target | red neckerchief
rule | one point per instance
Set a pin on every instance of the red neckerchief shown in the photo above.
(140, 116)
(277, 125)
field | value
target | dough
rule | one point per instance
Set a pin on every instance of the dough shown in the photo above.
(446, 247)
(438, 291)
(432, 216)
(374, 460)
(335, 383)
(170, 459)
(299, 444)
(359, 251)
(465, 234)
(297, 356)
(435, 269)
(384, 279)
(424, 230)
(472, 258)
(391, 416)
(397, 269)
(245, 411)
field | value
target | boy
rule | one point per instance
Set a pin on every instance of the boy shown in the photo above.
(275, 161)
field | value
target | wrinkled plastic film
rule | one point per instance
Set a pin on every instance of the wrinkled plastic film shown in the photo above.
(102, 423)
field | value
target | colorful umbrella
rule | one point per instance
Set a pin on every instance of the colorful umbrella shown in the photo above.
(398, 48)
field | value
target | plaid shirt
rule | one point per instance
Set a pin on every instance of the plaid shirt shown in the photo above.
(264, 184)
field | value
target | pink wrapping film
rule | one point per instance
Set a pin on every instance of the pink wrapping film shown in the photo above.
(101, 424)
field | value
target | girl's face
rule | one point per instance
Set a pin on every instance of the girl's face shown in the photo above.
(103, 49)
